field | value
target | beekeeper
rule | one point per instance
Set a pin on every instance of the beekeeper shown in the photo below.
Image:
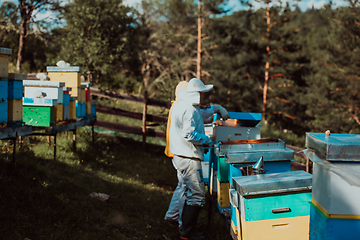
(174, 211)
(186, 139)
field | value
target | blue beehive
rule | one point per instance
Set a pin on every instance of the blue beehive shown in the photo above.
(4, 89)
(4, 112)
(15, 85)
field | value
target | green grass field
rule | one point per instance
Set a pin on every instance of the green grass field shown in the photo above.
(43, 198)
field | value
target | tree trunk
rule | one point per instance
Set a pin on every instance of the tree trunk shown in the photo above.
(267, 64)
(26, 12)
(199, 42)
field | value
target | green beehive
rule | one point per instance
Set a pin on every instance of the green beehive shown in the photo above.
(41, 116)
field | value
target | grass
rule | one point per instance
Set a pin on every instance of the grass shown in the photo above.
(43, 198)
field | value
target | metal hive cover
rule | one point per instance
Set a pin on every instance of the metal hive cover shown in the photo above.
(267, 184)
(335, 147)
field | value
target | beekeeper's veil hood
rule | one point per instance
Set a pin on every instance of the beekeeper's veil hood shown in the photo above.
(192, 92)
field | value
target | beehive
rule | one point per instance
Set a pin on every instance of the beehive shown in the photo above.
(44, 89)
(278, 204)
(15, 85)
(43, 116)
(4, 61)
(72, 108)
(69, 75)
(15, 111)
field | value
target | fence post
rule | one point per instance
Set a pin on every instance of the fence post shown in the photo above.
(144, 119)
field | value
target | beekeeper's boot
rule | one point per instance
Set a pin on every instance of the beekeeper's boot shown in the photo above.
(189, 218)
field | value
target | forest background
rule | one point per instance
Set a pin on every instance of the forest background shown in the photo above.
(309, 59)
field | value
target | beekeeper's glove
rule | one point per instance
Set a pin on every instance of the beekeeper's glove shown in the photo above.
(222, 111)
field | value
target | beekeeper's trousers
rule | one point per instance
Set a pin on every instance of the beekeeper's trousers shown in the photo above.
(177, 201)
(191, 173)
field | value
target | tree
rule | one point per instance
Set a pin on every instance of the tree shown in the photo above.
(27, 9)
(98, 36)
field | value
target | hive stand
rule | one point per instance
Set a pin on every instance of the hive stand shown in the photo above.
(72, 126)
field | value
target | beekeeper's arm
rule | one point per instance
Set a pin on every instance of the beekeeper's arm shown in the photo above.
(207, 113)
(189, 129)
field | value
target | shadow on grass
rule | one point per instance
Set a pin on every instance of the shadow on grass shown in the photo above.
(45, 199)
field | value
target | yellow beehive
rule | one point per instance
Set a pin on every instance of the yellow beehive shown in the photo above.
(4, 65)
(15, 110)
(223, 194)
(71, 79)
(59, 114)
(296, 228)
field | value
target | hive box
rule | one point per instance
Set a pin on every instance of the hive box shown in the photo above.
(43, 116)
(4, 86)
(336, 188)
(15, 85)
(336, 170)
(4, 113)
(55, 93)
(225, 133)
(69, 75)
(4, 61)
(72, 108)
(15, 111)
(324, 228)
(274, 206)
(223, 195)
(233, 196)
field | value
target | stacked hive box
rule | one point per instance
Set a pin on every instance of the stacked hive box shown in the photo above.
(43, 103)
(273, 206)
(4, 64)
(235, 157)
(72, 78)
(335, 208)
(245, 129)
(15, 95)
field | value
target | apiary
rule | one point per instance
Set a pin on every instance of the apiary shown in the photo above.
(71, 76)
(335, 212)
(277, 204)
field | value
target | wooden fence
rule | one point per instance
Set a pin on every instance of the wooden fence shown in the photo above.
(144, 130)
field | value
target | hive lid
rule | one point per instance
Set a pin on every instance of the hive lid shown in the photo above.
(5, 51)
(253, 156)
(275, 183)
(335, 147)
(251, 145)
(63, 69)
(38, 83)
